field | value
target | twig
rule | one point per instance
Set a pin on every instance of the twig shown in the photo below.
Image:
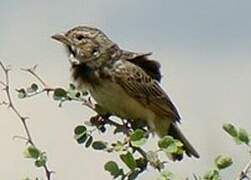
(33, 73)
(21, 117)
(244, 172)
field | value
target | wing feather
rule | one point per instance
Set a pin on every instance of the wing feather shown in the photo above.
(144, 89)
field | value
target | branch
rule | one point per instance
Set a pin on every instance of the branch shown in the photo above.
(244, 172)
(33, 73)
(23, 119)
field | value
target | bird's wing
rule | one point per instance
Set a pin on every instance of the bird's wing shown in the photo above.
(151, 67)
(145, 90)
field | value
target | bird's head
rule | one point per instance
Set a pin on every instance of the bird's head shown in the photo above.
(88, 45)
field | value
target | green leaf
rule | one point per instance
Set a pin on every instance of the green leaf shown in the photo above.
(172, 149)
(99, 145)
(113, 168)
(223, 161)
(137, 135)
(230, 129)
(165, 142)
(137, 138)
(139, 142)
(40, 162)
(32, 88)
(59, 93)
(32, 152)
(129, 160)
(80, 134)
(178, 143)
(212, 174)
(21, 93)
(80, 130)
(81, 138)
(89, 142)
(243, 136)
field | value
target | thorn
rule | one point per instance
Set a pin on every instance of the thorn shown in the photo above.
(20, 137)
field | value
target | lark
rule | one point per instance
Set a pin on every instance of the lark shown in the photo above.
(124, 83)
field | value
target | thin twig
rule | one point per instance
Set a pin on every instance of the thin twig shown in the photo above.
(33, 73)
(244, 172)
(22, 118)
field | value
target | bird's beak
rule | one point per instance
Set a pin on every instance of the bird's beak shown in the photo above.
(61, 38)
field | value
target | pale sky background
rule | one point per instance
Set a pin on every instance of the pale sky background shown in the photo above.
(205, 51)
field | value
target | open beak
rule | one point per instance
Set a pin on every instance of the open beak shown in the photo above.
(61, 38)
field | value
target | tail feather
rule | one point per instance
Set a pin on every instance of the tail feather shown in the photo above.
(175, 132)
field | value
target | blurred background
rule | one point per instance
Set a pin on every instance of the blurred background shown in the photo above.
(205, 51)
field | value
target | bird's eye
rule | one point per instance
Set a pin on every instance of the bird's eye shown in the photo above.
(79, 37)
(95, 51)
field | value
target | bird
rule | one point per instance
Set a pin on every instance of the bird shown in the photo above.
(124, 83)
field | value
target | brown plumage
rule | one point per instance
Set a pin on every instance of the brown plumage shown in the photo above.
(124, 83)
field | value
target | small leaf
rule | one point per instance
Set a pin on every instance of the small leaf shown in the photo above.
(113, 168)
(89, 142)
(80, 130)
(172, 149)
(139, 142)
(137, 135)
(81, 138)
(243, 136)
(223, 161)
(21, 93)
(212, 174)
(129, 160)
(32, 152)
(80, 134)
(137, 138)
(230, 129)
(32, 88)
(99, 145)
(40, 162)
(165, 142)
(178, 143)
(59, 93)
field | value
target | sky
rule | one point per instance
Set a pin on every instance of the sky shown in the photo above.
(204, 48)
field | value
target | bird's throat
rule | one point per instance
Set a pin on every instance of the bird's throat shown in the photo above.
(82, 73)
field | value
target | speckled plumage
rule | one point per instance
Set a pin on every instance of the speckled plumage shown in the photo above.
(124, 83)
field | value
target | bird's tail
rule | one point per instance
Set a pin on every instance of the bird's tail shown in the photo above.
(175, 132)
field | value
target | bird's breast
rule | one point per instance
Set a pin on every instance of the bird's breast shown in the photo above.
(113, 98)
